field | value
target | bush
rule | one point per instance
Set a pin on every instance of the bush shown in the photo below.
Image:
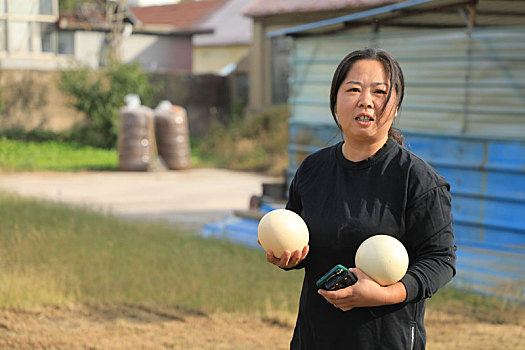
(99, 95)
(255, 141)
(35, 135)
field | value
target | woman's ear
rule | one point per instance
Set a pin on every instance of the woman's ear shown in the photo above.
(395, 113)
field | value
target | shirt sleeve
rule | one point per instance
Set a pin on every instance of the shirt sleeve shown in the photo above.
(294, 204)
(294, 200)
(430, 244)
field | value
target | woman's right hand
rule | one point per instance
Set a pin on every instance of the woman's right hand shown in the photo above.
(288, 259)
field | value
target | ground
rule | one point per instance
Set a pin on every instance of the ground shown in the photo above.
(139, 327)
(192, 197)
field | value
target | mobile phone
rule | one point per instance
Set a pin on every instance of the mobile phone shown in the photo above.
(338, 277)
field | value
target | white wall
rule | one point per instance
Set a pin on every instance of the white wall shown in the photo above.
(158, 53)
(143, 3)
(88, 46)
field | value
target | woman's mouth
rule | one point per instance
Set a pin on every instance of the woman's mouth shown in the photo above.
(364, 118)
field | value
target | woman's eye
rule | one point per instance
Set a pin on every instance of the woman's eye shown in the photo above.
(353, 90)
(381, 92)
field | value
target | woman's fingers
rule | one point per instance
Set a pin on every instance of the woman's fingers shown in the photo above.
(294, 259)
(271, 258)
(304, 252)
(340, 299)
(287, 259)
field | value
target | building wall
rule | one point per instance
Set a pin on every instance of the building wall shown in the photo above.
(463, 112)
(151, 2)
(212, 59)
(159, 53)
(26, 33)
(88, 47)
(456, 81)
(261, 95)
(32, 100)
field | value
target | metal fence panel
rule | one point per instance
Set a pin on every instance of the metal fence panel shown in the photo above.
(464, 113)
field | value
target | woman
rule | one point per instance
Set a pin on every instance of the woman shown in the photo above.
(366, 185)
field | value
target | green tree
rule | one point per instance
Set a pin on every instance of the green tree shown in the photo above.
(100, 94)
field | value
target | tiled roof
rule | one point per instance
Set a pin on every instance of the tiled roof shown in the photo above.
(273, 7)
(184, 15)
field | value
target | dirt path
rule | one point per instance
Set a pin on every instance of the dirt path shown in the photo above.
(139, 327)
(192, 197)
(134, 327)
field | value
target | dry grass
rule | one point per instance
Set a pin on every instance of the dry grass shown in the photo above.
(57, 255)
(255, 142)
(138, 326)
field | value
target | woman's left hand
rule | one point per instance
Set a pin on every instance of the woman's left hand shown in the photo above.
(365, 292)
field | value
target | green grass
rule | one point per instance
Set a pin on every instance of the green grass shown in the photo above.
(18, 155)
(58, 255)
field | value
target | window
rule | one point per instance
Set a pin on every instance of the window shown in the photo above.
(3, 35)
(20, 36)
(28, 26)
(46, 7)
(26, 7)
(66, 42)
(47, 37)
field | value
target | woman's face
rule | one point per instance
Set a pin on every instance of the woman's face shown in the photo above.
(361, 100)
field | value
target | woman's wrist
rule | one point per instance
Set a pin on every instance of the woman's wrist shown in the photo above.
(395, 293)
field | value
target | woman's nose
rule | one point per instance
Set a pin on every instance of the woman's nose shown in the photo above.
(365, 100)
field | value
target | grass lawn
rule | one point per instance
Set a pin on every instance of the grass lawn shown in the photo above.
(18, 155)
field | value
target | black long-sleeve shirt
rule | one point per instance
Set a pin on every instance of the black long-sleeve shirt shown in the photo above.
(394, 192)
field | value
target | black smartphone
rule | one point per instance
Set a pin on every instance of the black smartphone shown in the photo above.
(338, 277)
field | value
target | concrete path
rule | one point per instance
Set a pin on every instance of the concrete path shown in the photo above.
(192, 197)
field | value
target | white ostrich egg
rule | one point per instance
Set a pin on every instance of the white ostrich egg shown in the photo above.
(282, 229)
(383, 258)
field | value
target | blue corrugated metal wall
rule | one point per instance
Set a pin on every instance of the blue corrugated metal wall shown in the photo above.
(464, 113)
(487, 178)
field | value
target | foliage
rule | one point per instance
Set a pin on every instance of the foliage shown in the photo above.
(71, 5)
(99, 95)
(255, 141)
(18, 155)
(34, 135)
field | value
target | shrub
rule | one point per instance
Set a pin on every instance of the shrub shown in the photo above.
(255, 141)
(99, 95)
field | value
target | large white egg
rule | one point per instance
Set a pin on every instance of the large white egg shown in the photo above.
(383, 258)
(281, 230)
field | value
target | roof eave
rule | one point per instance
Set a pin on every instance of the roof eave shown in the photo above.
(384, 11)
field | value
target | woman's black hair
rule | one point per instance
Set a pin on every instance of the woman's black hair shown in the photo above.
(393, 70)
